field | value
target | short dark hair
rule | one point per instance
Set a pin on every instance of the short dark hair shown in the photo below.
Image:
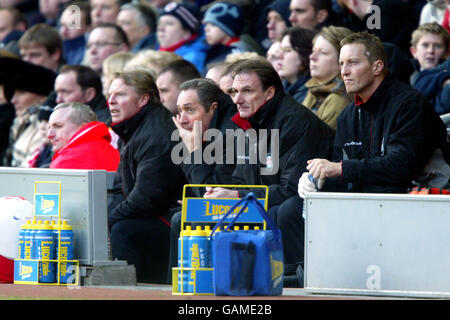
(44, 35)
(373, 45)
(121, 36)
(302, 42)
(322, 5)
(146, 14)
(263, 69)
(207, 90)
(86, 77)
(182, 70)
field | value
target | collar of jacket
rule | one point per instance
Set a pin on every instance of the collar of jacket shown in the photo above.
(225, 109)
(75, 42)
(378, 94)
(333, 85)
(262, 116)
(179, 44)
(99, 102)
(147, 42)
(293, 87)
(127, 127)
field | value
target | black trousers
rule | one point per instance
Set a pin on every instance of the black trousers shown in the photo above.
(143, 243)
(175, 228)
(288, 218)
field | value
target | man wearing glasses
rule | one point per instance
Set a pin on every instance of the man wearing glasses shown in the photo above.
(105, 40)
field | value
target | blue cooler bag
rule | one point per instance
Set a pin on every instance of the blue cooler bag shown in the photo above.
(247, 262)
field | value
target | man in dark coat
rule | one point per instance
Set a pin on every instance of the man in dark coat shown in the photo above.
(294, 134)
(201, 105)
(151, 182)
(383, 139)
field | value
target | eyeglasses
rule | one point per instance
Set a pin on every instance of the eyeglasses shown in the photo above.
(101, 44)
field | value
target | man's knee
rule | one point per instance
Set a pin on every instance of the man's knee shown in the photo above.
(290, 210)
(175, 221)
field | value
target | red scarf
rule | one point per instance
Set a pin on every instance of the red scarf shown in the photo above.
(446, 21)
(242, 123)
(231, 41)
(178, 44)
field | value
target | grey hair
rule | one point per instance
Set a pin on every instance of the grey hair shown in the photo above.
(80, 113)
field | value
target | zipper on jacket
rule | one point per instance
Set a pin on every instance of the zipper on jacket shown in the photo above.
(371, 138)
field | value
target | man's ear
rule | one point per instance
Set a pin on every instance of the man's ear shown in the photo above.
(90, 94)
(413, 51)
(56, 56)
(321, 15)
(378, 67)
(270, 93)
(143, 100)
(214, 106)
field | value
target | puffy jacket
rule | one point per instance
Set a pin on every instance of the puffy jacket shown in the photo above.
(385, 142)
(89, 148)
(151, 182)
(193, 50)
(302, 136)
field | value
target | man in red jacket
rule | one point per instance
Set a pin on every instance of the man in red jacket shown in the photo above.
(80, 141)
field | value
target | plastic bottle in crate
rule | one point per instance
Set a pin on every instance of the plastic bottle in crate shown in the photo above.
(198, 253)
(209, 247)
(67, 248)
(44, 248)
(23, 231)
(29, 245)
(184, 236)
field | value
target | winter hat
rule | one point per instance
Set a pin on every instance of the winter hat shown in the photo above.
(44, 112)
(282, 8)
(226, 16)
(16, 74)
(188, 14)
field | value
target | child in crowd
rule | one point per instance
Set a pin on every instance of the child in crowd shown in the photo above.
(223, 23)
(429, 47)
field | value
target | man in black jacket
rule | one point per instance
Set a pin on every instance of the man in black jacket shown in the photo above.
(151, 182)
(383, 139)
(294, 134)
(201, 105)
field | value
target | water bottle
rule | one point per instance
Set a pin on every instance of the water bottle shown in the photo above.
(44, 243)
(198, 252)
(65, 251)
(24, 229)
(184, 239)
